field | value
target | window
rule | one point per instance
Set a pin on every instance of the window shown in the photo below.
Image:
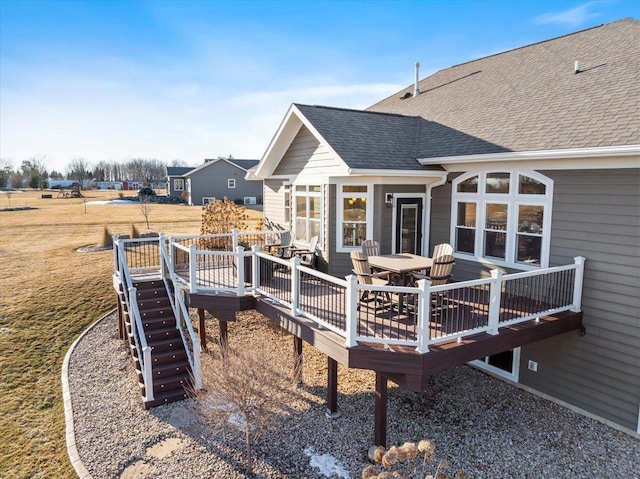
(287, 204)
(178, 184)
(354, 216)
(503, 217)
(231, 183)
(308, 212)
(207, 199)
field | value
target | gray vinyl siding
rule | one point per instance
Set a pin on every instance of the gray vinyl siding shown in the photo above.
(596, 214)
(306, 153)
(211, 181)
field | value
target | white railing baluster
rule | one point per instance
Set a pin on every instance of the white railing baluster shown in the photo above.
(234, 239)
(295, 285)
(495, 292)
(424, 315)
(193, 272)
(577, 285)
(351, 311)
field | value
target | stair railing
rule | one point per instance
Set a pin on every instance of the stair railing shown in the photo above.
(181, 313)
(143, 349)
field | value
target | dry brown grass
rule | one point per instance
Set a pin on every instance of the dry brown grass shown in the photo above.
(49, 293)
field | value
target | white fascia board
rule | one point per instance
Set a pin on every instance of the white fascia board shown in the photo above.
(408, 173)
(539, 155)
(278, 145)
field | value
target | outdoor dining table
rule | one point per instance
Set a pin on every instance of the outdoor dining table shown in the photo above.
(401, 264)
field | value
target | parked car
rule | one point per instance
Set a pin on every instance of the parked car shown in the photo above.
(146, 192)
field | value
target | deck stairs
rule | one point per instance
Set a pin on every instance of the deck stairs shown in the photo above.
(170, 365)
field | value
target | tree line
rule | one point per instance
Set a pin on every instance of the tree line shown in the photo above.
(34, 173)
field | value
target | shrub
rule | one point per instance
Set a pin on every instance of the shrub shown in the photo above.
(134, 232)
(107, 239)
(221, 216)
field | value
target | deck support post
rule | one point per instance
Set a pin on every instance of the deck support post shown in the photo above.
(332, 389)
(202, 331)
(224, 333)
(297, 360)
(380, 421)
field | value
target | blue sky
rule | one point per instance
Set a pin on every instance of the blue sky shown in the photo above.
(188, 80)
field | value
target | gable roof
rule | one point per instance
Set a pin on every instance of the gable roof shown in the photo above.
(178, 170)
(368, 140)
(530, 99)
(244, 165)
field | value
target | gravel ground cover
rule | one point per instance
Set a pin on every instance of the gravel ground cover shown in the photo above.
(479, 424)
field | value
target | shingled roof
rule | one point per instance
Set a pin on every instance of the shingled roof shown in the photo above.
(530, 99)
(366, 140)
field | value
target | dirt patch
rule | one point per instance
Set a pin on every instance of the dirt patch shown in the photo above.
(93, 248)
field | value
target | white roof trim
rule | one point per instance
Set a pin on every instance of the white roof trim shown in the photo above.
(569, 153)
(372, 172)
(209, 163)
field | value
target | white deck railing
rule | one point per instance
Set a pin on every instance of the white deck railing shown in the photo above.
(438, 313)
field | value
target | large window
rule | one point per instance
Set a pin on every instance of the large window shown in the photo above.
(503, 217)
(308, 212)
(178, 184)
(354, 215)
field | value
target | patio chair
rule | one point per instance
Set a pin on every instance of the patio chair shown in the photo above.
(308, 256)
(370, 248)
(442, 249)
(366, 276)
(440, 272)
(286, 245)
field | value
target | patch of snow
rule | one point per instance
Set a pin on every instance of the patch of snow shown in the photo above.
(110, 202)
(327, 464)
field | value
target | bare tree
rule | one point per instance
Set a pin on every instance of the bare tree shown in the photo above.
(5, 172)
(245, 389)
(146, 205)
(78, 169)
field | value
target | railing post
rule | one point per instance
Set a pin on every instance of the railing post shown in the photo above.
(172, 255)
(148, 374)
(424, 315)
(240, 268)
(352, 311)
(295, 284)
(234, 239)
(255, 270)
(197, 369)
(193, 271)
(161, 249)
(577, 285)
(115, 254)
(494, 301)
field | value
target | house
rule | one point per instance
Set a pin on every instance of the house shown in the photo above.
(215, 179)
(175, 181)
(521, 160)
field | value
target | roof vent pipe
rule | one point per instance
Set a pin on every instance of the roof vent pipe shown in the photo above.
(416, 90)
(576, 67)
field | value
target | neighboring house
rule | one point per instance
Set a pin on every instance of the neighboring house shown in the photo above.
(518, 160)
(175, 181)
(216, 179)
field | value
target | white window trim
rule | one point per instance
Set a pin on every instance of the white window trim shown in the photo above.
(207, 199)
(514, 375)
(294, 211)
(231, 183)
(513, 199)
(287, 186)
(340, 195)
(176, 182)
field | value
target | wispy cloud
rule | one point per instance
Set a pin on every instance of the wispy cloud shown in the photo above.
(573, 18)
